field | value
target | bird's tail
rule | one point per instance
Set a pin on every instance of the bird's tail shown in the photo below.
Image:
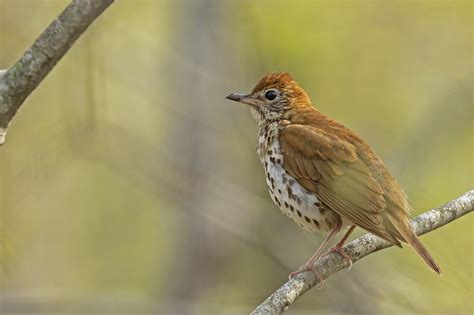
(414, 242)
(409, 236)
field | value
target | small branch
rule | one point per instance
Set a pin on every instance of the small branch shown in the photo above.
(279, 301)
(17, 83)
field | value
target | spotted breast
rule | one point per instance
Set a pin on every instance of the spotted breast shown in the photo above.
(303, 207)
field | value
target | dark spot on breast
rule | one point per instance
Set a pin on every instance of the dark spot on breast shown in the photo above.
(286, 204)
(317, 204)
(299, 213)
(292, 208)
(301, 225)
(268, 175)
(272, 159)
(292, 196)
(291, 182)
(322, 210)
(266, 164)
(278, 161)
(307, 219)
(288, 214)
(285, 180)
(270, 152)
(279, 191)
(316, 223)
(277, 201)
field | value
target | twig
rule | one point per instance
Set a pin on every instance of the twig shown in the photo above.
(17, 83)
(279, 301)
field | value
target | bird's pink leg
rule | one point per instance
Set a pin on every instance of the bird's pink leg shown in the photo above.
(309, 265)
(338, 247)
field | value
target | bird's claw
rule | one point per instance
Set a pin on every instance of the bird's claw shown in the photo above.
(340, 251)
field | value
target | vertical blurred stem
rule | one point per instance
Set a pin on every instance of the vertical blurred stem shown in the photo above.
(188, 142)
(25, 75)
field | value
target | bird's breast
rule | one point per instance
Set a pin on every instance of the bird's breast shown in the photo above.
(302, 206)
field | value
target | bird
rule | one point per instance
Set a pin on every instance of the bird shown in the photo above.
(323, 175)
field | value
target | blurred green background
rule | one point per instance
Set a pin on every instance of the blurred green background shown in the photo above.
(129, 185)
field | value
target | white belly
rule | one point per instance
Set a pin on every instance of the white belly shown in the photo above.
(294, 200)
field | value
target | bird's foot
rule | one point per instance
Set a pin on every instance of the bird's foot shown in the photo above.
(308, 267)
(338, 249)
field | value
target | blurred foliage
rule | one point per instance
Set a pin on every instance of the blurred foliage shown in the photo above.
(130, 186)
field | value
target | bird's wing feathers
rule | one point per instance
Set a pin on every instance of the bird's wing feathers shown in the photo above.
(329, 166)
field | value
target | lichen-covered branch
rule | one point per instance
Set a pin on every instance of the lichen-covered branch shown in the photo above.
(357, 249)
(17, 83)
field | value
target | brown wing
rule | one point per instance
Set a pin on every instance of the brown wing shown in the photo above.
(330, 167)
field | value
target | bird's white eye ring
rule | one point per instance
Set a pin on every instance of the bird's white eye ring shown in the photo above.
(271, 95)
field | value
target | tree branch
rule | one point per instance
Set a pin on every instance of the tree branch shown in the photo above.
(17, 83)
(328, 265)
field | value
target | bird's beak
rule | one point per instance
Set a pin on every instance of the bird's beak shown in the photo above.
(246, 99)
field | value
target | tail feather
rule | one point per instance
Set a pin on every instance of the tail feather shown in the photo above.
(423, 252)
(406, 234)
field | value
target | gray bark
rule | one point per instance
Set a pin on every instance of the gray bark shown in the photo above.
(328, 265)
(19, 81)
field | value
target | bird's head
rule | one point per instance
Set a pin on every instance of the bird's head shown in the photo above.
(273, 96)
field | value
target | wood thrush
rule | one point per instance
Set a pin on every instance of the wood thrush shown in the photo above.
(323, 175)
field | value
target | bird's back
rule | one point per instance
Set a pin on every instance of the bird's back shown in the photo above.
(336, 131)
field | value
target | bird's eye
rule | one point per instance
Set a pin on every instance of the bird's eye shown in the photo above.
(271, 95)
